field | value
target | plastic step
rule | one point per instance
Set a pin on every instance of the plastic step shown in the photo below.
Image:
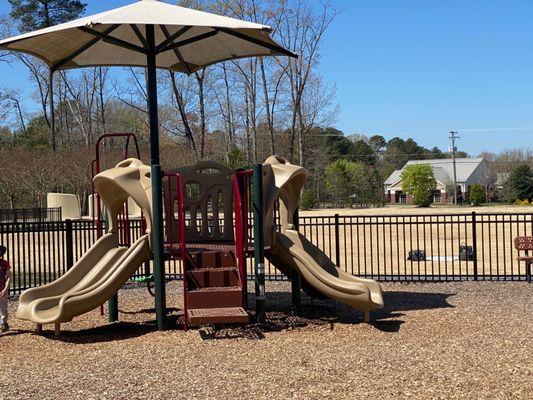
(226, 315)
(211, 259)
(215, 297)
(209, 277)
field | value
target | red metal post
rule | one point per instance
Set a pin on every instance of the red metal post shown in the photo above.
(181, 207)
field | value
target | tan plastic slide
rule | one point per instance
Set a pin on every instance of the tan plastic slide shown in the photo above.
(290, 249)
(104, 269)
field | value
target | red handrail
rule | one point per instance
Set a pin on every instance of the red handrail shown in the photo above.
(181, 208)
(126, 135)
(176, 192)
(180, 197)
(238, 227)
(241, 224)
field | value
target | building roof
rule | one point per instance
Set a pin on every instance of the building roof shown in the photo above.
(442, 169)
(464, 166)
(394, 177)
(441, 176)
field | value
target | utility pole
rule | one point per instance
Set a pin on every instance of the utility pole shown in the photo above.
(453, 138)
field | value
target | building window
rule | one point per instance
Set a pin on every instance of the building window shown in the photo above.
(437, 197)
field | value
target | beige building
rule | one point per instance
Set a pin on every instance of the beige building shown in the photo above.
(470, 171)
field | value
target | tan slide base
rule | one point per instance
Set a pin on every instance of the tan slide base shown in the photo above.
(295, 251)
(90, 283)
(104, 269)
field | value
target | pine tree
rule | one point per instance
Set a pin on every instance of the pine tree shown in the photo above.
(520, 183)
(38, 14)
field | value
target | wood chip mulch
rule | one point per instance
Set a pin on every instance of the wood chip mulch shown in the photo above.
(432, 341)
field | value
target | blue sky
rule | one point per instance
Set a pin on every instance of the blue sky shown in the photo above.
(419, 68)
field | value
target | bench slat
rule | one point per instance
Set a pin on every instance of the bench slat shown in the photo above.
(524, 243)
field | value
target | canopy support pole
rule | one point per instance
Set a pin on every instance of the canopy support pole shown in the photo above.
(259, 250)
(52, 110)
(296, 280)
(157, 202)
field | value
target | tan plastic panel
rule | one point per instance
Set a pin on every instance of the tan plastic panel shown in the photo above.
(104, 269)
(211, 210)
(284, 180)
(69, 204)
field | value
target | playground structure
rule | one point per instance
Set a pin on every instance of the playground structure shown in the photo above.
(210, 228)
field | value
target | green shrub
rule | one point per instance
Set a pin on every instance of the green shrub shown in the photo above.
(477, 195)
(525, 202)
(307, 200)
(236, 159)
(418, 181)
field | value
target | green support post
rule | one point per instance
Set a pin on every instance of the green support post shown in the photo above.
(296, 280)
(259, 248)
(69, 244)
(156, 176)
(113, 309)
(112, 304)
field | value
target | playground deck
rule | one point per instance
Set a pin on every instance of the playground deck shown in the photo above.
(453, 340)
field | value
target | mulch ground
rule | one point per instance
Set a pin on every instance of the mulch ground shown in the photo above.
(432, 341)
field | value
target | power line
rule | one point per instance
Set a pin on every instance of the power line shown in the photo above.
(428, 157)
(522, 128)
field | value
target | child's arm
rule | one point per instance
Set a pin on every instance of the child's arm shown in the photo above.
(8, 283)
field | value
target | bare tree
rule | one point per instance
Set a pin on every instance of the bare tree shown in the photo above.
(302, 31)
(12, 165)
(11, 102)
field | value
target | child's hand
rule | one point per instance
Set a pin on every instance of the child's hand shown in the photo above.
(2, 293)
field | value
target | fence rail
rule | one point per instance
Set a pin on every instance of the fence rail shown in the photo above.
(442, 247)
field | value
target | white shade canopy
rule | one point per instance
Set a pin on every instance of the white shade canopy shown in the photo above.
(186, 40)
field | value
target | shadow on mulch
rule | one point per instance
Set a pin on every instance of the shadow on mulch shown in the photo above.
(410, 301)
(148, 311)
(15, 332)
(102, 334)
(247, 332)
(276, 321)
(324, 312)
(314, 314)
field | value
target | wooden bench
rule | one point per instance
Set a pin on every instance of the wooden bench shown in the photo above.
(525, 243)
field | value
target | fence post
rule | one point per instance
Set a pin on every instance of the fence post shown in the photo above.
(69, 244)
(296, 280)
(337, 242)
(474, 244)
(259, 255)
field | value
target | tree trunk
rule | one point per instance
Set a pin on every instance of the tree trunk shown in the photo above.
(183, 113)
(267, 107)
(249, 152)
(102, 102)
(201, 99)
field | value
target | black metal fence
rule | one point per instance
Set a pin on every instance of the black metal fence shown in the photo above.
(383, 247)
(30, 215)
(474, 246)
